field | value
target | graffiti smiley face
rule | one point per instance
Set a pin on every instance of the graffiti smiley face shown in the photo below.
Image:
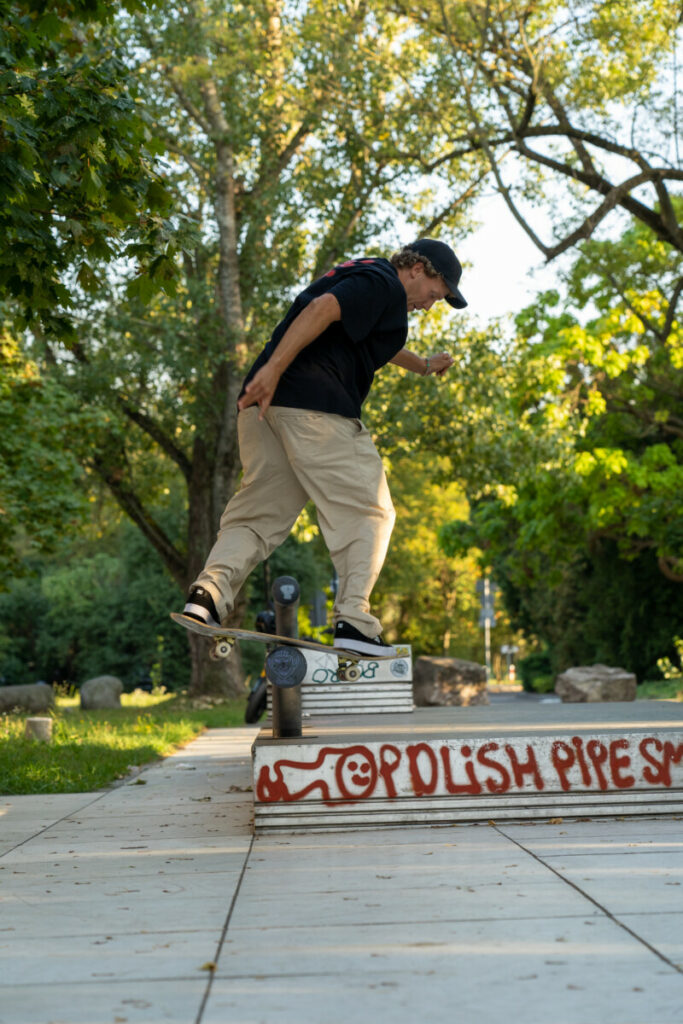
(356, 773)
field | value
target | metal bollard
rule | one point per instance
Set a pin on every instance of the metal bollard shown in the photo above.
(286, 666)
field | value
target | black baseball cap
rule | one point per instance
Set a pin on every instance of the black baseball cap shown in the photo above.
(443, 259)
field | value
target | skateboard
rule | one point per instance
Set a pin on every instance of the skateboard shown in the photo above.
(224, 641)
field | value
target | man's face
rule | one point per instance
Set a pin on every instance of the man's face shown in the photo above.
(423, 291)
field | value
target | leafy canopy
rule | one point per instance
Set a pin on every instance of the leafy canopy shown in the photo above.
(77, 160)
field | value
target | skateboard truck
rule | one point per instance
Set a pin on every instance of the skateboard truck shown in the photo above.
(348, 669)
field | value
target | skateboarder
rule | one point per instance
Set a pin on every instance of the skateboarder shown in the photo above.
(301, 436)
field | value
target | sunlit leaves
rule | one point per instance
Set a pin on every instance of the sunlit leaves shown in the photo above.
(40, 496)
(606, 392)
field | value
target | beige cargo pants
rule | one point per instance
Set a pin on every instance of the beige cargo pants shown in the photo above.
(289, 457)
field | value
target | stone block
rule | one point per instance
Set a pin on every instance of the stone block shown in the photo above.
(448, 681)
(594, 683)
(38, 729)
(102, 692)
(30, 697)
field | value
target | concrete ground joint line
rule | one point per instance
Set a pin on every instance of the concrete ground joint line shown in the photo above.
(58, 821)
(591, 899)
(224, 933)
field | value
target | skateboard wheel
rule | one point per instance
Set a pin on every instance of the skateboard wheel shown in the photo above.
(350, 673)
(221, 649)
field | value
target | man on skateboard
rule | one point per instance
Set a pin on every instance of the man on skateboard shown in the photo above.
(301, 437)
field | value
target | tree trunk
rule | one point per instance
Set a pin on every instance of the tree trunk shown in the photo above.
(215, 462)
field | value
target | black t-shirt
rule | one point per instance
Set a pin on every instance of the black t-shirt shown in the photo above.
(334, 373)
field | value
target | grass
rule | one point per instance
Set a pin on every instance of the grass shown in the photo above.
(661, 689)
(92, 749)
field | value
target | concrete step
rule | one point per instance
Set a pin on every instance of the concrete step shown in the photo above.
(517, 761)
(385, 687)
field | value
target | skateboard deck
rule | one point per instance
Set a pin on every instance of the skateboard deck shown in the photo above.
(224, 639)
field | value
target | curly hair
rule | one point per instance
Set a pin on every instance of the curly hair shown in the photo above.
(407, 257)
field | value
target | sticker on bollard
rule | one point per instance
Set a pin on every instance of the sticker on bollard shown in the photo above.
(286, 590)
(285, 666)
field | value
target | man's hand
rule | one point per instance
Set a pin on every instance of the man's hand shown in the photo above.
(260, 390)
(439, 363)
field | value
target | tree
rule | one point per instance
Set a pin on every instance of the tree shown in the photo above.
(622, 392)
(573, 107)
(423, 597)
(77, 174)
(605, 394)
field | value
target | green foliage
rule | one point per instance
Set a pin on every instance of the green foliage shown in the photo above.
(534, 670)
(667, 668)
(618, 393)
(92, 614)
(422, 597)
(584, 531)
(41, 495)
(658, 689)
(101, 606)
(571, 105)
(77, 158)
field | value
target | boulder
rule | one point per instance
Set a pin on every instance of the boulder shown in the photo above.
(101, 692)
(448, 681)
(30, 697)
(594, 683)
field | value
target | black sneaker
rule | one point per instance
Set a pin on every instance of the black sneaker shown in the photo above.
(200, 606)
(348, 638)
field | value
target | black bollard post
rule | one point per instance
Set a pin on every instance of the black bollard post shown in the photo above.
(286, 666)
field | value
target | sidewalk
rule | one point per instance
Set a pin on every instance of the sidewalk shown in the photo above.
(113, 905)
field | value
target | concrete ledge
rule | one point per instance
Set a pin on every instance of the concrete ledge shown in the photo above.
(450, 765)
(384, 688)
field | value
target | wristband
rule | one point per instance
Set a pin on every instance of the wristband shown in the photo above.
(426, 366)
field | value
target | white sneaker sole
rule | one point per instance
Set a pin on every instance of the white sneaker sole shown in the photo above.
(198, 611)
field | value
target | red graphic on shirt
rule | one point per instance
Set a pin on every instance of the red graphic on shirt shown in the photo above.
(349, 263)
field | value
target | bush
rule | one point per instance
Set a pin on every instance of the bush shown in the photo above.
(83, 614)
(535, 671)
(543, 684)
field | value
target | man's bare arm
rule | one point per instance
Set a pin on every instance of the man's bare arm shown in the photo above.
(308, 325)
(424, 365)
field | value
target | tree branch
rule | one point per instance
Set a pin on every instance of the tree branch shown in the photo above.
(153, 430)
(109, 469)
(145, 422)
(607, 188)
(671, 311)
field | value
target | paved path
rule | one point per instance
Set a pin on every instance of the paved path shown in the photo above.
(112, 906)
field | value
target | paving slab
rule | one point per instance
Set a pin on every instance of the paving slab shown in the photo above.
(105, 1001)
(489, 930)
(112, 904)
(509, 991)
